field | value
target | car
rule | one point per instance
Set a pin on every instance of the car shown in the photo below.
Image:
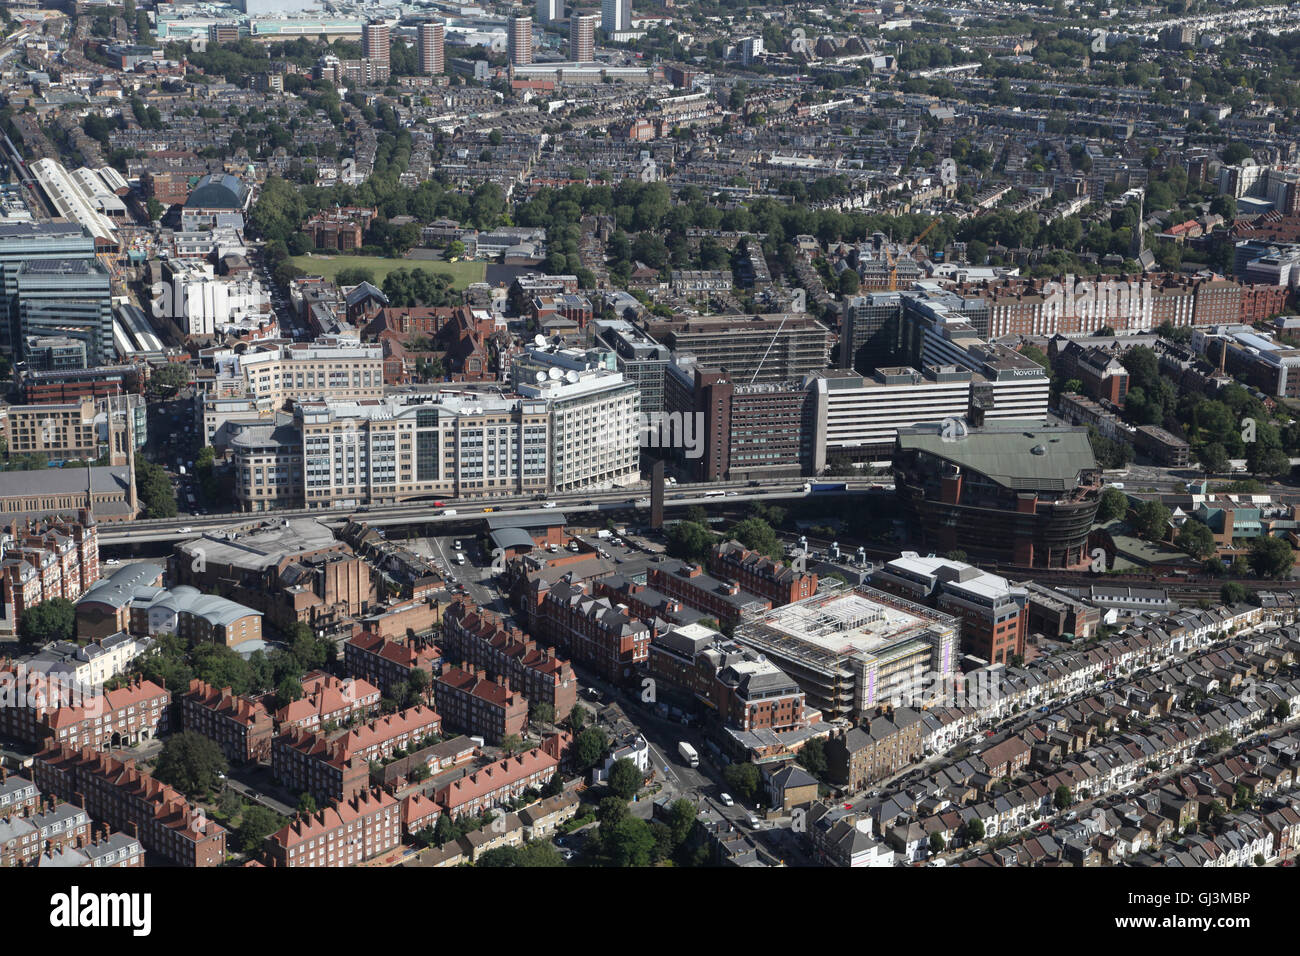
(567, 855)
(753, 821)
(725, 800)
(548, 504)
(112, 561)
(186, 530)
(988, 733)
(1043, 828)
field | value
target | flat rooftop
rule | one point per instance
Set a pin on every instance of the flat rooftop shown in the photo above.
(263, 547)
(855, 622)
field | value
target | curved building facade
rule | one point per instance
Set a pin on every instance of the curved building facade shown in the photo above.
(1013, 493)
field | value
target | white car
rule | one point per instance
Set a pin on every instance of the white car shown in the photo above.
(725, 800)
(186, 530)
(548, 504)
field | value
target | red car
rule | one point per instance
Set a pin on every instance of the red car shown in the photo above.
(1043, 828)
(988, 733)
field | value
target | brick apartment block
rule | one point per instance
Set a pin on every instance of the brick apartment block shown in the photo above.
(351, 832)
(497, 783)
(19, 797)
(128, 799)
(327, 699)
(596, 631)
(338, 768)
(757, 573)
(471, 702)
(49, 827)
(726, 601)
(241, 726)
(389, 663)
(418, 813)
(113, 718)
(47, 558)
(481, 640)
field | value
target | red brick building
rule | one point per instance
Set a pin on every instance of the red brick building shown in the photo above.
(327, 699)
(339, 768)
(388, 664)
(725, 601)
(43, 708)
(128, 799)
(496, 784)
(481, 640)
(242, 727)
(474, 704)
(349, 833)
(759, 574)
(595, 630)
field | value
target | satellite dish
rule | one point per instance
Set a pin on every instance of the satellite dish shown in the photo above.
(555, 373)
(571, 376)
(539, 340)
(541, 376)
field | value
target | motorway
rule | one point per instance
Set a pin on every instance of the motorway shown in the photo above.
(192, 526)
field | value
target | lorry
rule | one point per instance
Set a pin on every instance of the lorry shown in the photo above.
(823, 486)
(688, 753)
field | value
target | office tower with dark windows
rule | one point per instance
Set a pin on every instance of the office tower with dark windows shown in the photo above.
(22, 242)
(70, 298)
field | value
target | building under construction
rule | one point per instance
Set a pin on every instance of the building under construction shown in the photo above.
(853, 651)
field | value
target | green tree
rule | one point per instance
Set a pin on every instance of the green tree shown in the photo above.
(681, 820)
(1151, 520)
(577, 719)
(629, 842)
(812, 757)
(542, 713)
(307, 803)
(1213, 458)
(1062, 798)
(51, 620)
(167, 378)
(155, 490)
(742, 778)
(444, 830)
(757, 535)
(1233, 593)
(257, 823)
(624, 778)
(1195, 538)
(1271, 557)
(690, 541)
(974, 830)
(191, 763)
(937, 844)
(512, 744)
(1114, 504)
(589, 747)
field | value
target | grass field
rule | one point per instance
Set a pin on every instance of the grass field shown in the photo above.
(329, 266)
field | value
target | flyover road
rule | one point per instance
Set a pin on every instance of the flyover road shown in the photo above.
(425, 513)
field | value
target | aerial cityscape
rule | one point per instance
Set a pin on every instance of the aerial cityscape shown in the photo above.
(712, 434)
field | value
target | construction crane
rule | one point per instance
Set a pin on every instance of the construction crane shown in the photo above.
(893, 263)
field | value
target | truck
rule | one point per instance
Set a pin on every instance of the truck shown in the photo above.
(816, 487)
(688, 753)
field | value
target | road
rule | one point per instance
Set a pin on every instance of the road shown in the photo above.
(170, 529)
